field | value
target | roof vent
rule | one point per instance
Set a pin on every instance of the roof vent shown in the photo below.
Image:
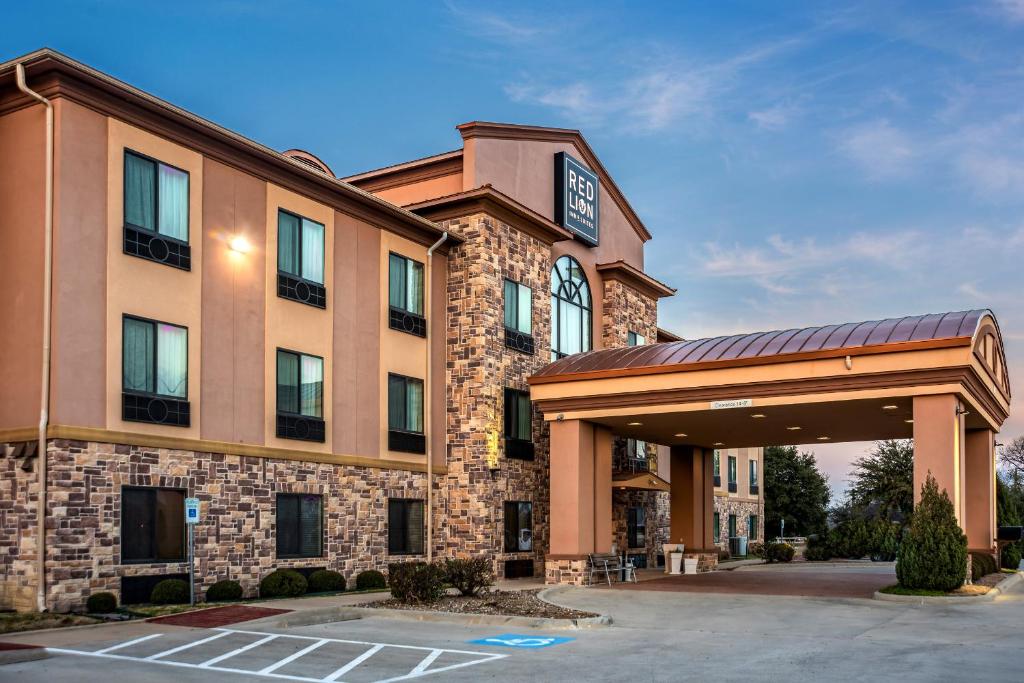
(308, 159)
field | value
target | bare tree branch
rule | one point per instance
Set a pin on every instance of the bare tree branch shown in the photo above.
(1012, 456)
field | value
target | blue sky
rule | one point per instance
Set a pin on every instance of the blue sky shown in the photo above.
(797, 163)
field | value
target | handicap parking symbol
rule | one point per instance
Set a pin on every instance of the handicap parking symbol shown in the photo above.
(521, 641)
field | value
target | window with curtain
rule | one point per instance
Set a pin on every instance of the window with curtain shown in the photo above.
(753, 477)
(405, 403)
(634, 339)
(732, 474)
(299, 525)
(636, 449)
(300, 384)
(518, 422)
(752, 522)
(636, 527)
(518, 526)
(570, 309)
(155, 358)
(518, 307)
(717, 467)
(716, 527)
(300, 247)
(152, 525)
(405, 284)
(405, 526)
(155, 196)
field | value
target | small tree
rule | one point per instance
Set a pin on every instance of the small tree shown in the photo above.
(933, 554)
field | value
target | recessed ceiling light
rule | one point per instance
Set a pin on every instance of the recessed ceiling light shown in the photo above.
(718, 443)
(793, 429)
(680, 434)
(909, 422)
(890, 407)
(758, 416)
(824, 438)
(635, 424)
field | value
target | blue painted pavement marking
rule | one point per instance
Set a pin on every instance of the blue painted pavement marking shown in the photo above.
(521, 641)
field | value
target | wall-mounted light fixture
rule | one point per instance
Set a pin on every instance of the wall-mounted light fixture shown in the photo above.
(239, 245)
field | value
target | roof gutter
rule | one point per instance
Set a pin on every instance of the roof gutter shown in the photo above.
(426, 399)
(44, 398)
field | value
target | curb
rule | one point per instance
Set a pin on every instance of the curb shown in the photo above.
(996, 591)
(21, 653)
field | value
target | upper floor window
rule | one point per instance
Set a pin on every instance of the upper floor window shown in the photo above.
(753, 477)
(518, 424)
(718, 467)
(156, 211)
(405, 295)
(405, 414)
(732, 474)
(634, 339)
(570, 309)
(518, 317)
(154, 371)
(300, 396)
(300, 259)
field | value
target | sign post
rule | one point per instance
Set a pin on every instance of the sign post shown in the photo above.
(191, 519)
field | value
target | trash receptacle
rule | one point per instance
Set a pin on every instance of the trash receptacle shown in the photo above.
(741, 544)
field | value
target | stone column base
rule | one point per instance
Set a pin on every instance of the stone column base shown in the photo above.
(706, 562)
(565, 571)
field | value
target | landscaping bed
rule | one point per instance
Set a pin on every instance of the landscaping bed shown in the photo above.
(980, 586)
(13, 622)
(525, 603)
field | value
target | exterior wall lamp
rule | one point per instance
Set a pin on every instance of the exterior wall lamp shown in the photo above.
(239, 245)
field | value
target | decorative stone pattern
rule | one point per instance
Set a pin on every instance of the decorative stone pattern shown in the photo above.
(566, 572)
(627, 310)
(19, 495)
(726, 506)
(656, 509)
(479, 367)
(236, 538)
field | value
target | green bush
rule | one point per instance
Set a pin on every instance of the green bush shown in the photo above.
(885, 540)
(1011, 556)
(101, 603)
(933, 554)
(416, 582)
(776, 551)
(724, 555)
(283, 583)
(170, 592)
(370, 579)
(324, 580)
(982, 564)
(223, 591)
(755, 549)
(818, 549)
(468, 576)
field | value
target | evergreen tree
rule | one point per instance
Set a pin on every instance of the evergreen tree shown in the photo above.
(883, 481)
(794, 490)
(933, 554)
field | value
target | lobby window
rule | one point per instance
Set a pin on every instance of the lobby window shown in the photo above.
(156, 211)
(299, 527)
(154, 372)
(405, 414)
(300, 259)
(570, 309)
(732, 526)
(405, 526)
(634, 339)
(716, 528)
(733, 487)
(636, 527)
(754, 488)
(405, 295)
(152, 525)
(518, 425)
(718, 467)
(518, 317)
(518, 526)
(752, 527)
(300, 396)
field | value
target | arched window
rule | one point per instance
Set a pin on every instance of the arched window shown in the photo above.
(570, 309)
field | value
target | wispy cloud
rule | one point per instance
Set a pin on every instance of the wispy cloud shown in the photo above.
(879, 148)
(1011, 9)
(496, 26)
(776, 117)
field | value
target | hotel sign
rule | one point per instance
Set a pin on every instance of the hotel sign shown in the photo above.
(577, 193)
(735, 403)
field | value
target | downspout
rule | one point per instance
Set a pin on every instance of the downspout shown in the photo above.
(44, 400)
(426, 399)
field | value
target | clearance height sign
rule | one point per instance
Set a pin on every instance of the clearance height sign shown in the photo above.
(576, 198)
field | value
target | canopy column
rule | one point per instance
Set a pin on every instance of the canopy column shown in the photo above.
(980, 489)
(939, 447)
(693, 495)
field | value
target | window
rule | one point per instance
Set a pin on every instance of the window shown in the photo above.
(518, 425)
(634, 339)
(752, 527)
(154, 372)
(754, 489)
(636, 449)
(636, 527)
(405, 295)
(152, 525)
(300, 396)
(518, 526)
(732, 474)
(405, 414)
(156, 211)
(518, 317)
(405, 526)
(570, 309)
(299, 525)
(716, 528)
(300, 259)
(718, 467)
(732, 526)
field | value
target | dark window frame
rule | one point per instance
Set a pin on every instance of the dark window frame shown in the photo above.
(318, 289)
(156, 358)
(298, 521)
(400, 318)
(515, 304)
(511, 510)
(752, 482)
(408, 504)
(733, 473)
(156, 194)
(733, 527)
(121, 535)
(716, 527)
(287, 420)
(515, 447)
(405, 440)
(752, 524)
(636, 527)
(564, 297)
(716, 468)
(633, 337)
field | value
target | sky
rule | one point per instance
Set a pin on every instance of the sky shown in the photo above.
(797, 163)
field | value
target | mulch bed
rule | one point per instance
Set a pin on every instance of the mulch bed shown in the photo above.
(218, 616)
(504, 603)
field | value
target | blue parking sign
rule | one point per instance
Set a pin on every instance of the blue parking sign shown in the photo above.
(521, 641)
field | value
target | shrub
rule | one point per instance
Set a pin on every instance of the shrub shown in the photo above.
(818, 549)
(416, 582)
(370, 579)
(777, 551)
(224, 590)
(1011, 556)
(101, 603)
(468, 576)
(982, 564)
(170, 592)
(324, 580)
(885, 540)
(933, 554)
(723, 555)
(755, 549)
(283, 583)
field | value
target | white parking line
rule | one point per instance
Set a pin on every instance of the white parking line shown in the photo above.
(270, 671)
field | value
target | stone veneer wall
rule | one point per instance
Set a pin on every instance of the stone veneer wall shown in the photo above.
(19, 493)
(656, 507)
(236, 538)
(726, 506)
(627, 310)
(479, 367)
